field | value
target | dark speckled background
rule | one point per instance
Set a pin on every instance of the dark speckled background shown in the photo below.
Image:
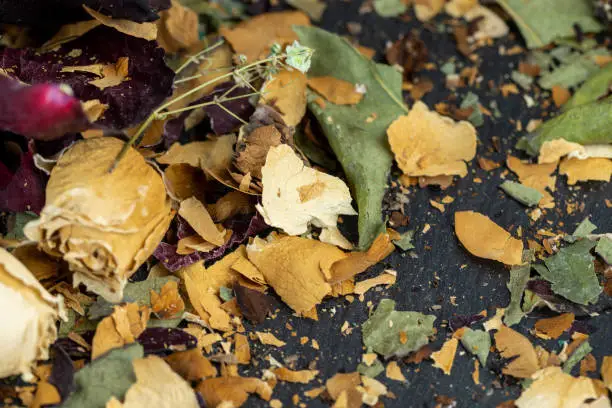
(439, 267)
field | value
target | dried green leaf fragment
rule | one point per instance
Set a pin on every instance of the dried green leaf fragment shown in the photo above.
(405, 242)
(578, 354)
(519, 276)
(594, 88)
(521, 193)
(390, 8)
(604, 249)
(477, 342)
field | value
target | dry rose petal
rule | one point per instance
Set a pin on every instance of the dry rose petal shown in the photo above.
(230, 205)
(252, 150)
(394, 372)
(195, 213)
(552, 388)
(295, 195)
(29, 321)
(184, 181)
(302, 376)
(269, 339)
(444, 358)
(485, 239)
(254, 37)
(191, 365)
(554, 327)
(425, 10)
(336, 90)
(384, 278)
(168, 303)
(177, 28)
(512, 344)
(598, 169)
(286, 91)
(488, 23)
(147, 31)
(215, 154)
(536, 176)
(606, 371)
(122, 327)
(105, 225)
(158, 386)
(356, 262)
(553, 150)
(57, 111)
(295, 268)
(233, 389)
(426, 143)
(342, 382)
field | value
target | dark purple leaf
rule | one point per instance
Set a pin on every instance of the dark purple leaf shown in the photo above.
(540, 287)
(25, 190)
(52, 13)
(62, 372)
(221, 121)
(42, 111)
(582, 327)
(52, 147)
(166, 253)
(73, 349)
(159, 340)
(149, 84)
(254, 305)
(459, 321)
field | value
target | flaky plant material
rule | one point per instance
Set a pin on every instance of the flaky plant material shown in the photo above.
(295, 195)
(485, 239)
(28, 323)
(105, 225)
(426, 143)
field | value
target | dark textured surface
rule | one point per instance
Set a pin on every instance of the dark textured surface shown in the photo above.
(439, 267)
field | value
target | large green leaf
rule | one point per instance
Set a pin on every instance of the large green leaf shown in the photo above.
(381, 333)
(108, 376)
(572, 273)
(593, 89)
(586, 124)
(543, 21)
(357, 134)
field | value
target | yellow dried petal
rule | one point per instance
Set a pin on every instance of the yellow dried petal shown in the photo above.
(168, 303)
(553, 150)
(336, 90)
(286, 91)
(426, 143)
(512, 344)
(606, 371)
(122, 327)
(236, 390)
(598, 169)
(177, 28)
(301, 376)
(70, 32)
(147, 31)
(105, 225)
(554, 327)
(536, 176)
(485, 239)
(384, 278)
(195, 213)
(184, 181)
(445, 357)
(29, 321)
(394, 372)
(215, 154)
(425, 10)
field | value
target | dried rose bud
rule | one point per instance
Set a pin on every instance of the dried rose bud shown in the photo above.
(105, 225)
(29, 319)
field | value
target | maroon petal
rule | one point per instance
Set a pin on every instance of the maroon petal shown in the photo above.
(222, 122)
(42, 111)
(26, 189)
(149, 78)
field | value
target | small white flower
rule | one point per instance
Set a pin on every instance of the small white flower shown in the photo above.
(299, 56)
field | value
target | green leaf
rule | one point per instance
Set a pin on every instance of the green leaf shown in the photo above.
(75, 323)
(572, 273)
(405, 242)
(578, 354)
(604, 249)
(390, 8)
(314, 8)
(134, 292)
(226, 294)
(583, 229)
(586, 124)
(16, 222)
(477, 342)
(471, 100)
(593, 89)
(543, 21)
(357, 134)
(521, 193)
(519, 276)
(571, 74)
(381, 332)
(108, 376)
(372, 371)
(314, 152)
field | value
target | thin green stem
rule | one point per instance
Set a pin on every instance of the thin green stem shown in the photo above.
(204, 104)
(229, 112)
(194, 58)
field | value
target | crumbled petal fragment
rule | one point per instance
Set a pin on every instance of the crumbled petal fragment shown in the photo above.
(381, 332)
(598, 169)
(233, 389)
(426, 143)
(445, 357)
(512, 344)
(105, 225)
(485, 239)
(336, 91)
(295, 196)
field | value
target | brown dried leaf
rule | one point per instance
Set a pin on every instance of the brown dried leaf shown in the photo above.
(231, 204)
(251, 152)
(560, 95)
(485, 239)
(254, 37)
(168, 303)
(184, 181)
(191, 365)
(427, 144)
(554, 327)
(286, 91)
(342, 382)
(269, 339)
(410, 53)
(196, 214)
(295, 268)
(41, 265)
(236, 390)
(46, 394)
(301, 376)
(254, 305)
(122, 327)
(336, 90)
(513, 344)
(215, 154)
(394, 372)
(385, 278)
(606, 371)
(147, 31)
(177, 28)
(536, 176)
(445, 357)
(598, 169)
(357, 262)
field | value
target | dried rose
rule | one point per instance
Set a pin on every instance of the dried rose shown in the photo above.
(105, 225)
(28, 324)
